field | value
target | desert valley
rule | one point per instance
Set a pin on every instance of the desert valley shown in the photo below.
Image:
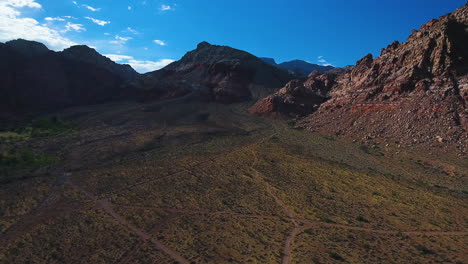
(224, 157)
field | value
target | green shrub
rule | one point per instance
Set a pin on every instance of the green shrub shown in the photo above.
(24, 159)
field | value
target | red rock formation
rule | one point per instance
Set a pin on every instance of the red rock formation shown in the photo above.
(414, 92)
(297, 98)
(218, 73)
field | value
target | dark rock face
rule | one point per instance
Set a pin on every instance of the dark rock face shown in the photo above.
(217, 73)
(414, 93)
(299, 68)
(27, 48)
(88, 55)
(297, 98)
(34, 78)
(269, 61)
(303, 68)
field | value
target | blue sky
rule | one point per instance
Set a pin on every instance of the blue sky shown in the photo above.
(149, 34)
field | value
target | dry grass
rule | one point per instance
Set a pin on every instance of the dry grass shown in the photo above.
(218, 186)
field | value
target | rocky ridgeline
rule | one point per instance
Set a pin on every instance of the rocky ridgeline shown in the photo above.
(413, 93)
(34, 78)
(217, 73)
(297, 98)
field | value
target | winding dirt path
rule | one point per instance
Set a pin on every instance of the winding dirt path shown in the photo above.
(287, 250)
(106, 206)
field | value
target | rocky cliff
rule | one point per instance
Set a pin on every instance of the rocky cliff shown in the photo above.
(297, 98)
(33, 78)
(217, 73)
(413, 93)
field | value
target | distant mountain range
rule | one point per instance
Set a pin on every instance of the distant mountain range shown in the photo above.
(299, 67)
(421, 83)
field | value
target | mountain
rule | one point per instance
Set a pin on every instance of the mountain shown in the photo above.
(298, 97)
(299, 67)
(32, 77)
(218, 73)
(303, 68)
(413, 93)
(269, 61)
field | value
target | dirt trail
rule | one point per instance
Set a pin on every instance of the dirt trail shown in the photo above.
(287, 250)
(106, 206)
(301, 225)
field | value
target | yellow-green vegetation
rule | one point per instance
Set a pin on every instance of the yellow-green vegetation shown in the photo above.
(23, 159)
(320, 245)
(227, 239)
(143, 218)
(320, 189)
(17, 200)
(145, 252)
(83, 236)
(39, 127)
(213, 184)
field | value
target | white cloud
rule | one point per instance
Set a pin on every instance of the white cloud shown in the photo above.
(74, 27)
(160, 42)
(54, 19)
(91, 8)
(120, 40)
(13, 26)
(74, 2)
(139, 65)
(133, 31)
(165, 8)
(107, 34)
(129, 8)
(21, 3)
(118, 58)
(322, 61)
(148, 66)
(97, 21)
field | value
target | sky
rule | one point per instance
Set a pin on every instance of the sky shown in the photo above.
(149, 34)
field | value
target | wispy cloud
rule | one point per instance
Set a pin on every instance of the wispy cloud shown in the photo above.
(160, 42)
(74, 27)
(97, 21)
(129, 8)
(13, 26)
(118, 57)
(91, 8)
(120, 40)
(54, 19)
(141, 66)
(133, 31)
(165, 8)
(75, 3)
(322, 61)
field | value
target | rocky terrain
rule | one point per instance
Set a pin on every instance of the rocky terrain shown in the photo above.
(297, 98)
(32, 77)
(355, 176)
(413, 93)
(299, 68)
(218, 73)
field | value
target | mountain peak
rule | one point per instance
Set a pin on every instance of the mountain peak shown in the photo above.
(203, 44)
(27, 48)
(270, 61)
